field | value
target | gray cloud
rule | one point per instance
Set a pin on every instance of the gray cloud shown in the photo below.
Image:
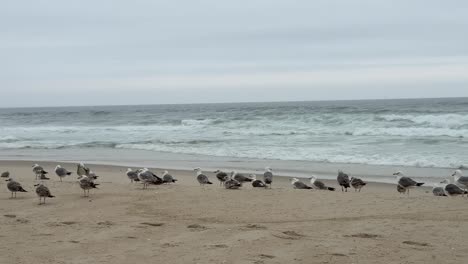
(202, 51)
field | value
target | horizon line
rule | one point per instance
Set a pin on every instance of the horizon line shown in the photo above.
(240, 102)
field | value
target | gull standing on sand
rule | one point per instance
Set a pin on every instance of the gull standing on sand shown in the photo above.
(406, 182)
(257, 183)
(86, 184)
(357, 184)
(167, 178)
(61, 172)
(319, 185)
(42, 192)
(5, 174)
(14, 187)
(268, 176)
(132, 175)
(221, 176)
(451, 189)
(201, 178)
(299, 185)
(460, 180)
(147, 177)
(343, 180)
(39, 171)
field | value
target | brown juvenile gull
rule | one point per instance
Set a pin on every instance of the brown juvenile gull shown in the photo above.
(299, 185)
(132, 175)
(343, 180)
(167, 178)
(14, 187)
(319, 185)
(400, 189)
(406, 182)
(257, 183)
(86, 184)
(357, 184)
(221, 176)
(38, 170)
(268, 176)
(5, 174)
(61, 172)
(202, 178)
(42, 192)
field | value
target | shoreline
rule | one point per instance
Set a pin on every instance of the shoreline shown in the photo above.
(173, 161)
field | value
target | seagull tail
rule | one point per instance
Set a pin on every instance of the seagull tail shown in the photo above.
(331, 189)
(466, 192)
(22, 190)
(69, 173)
(209, 182)
(51, 196)
(420, 184)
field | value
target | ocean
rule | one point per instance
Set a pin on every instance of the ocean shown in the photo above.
(422, 133)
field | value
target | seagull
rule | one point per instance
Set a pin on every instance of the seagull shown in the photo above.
(5, 174)
(222, 177)
(257, 183)
(86, 184)
(167, 178)
(240, 177)
(38, 170)
(451, 189)
(232, 184)
(14, 187)
(92, 175)
(299, 185)
(42, 192)
(319, 185)
(268, 176)
(82, 170)
(61, 172)
(357, 184)
(438, 190)
(202, 178)
(400, 189)
(132, 175)
(460, 180)
(343, 180)
(406, 182)
(147, 177)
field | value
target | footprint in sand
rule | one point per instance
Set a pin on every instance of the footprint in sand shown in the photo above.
(364, 235)
(292, 235)
(197, 227)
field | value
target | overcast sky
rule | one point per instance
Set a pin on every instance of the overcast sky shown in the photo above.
(148, 52)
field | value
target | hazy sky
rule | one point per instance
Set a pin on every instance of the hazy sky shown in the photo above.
(142, 52)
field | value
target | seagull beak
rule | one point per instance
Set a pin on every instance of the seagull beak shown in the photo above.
(35, 185)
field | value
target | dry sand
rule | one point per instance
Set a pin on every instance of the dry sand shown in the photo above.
(184, 223)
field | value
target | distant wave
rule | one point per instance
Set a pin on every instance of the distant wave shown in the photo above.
(452, 121)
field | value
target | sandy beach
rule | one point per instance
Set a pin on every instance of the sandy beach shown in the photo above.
(184, 223)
